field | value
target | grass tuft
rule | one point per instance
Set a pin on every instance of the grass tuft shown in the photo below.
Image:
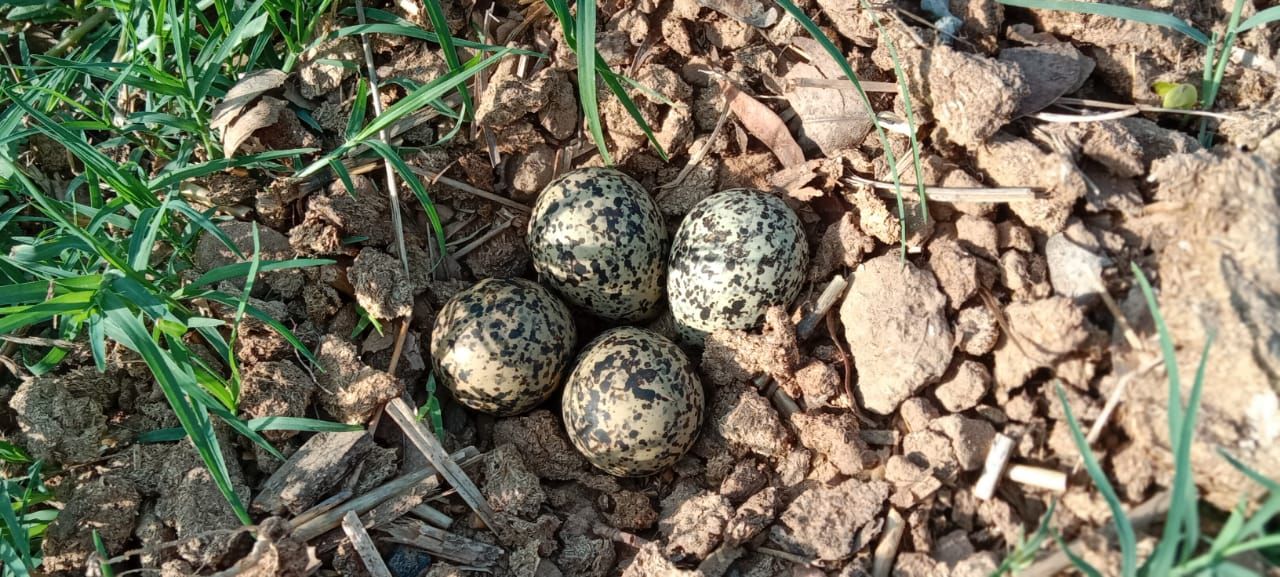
(1180, 550)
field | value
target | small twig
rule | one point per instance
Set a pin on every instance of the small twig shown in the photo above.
(432, 515)
(326, 505)
(954, 194)
(785, 556)
(323, 523)
(699, 154)
(176, 542)
(1050, 479)
(887, 550)
(623, 537)
(395, 353)
(1113, 401)
(486, 237)
(360, 539)
(37, 341)
(429, 445)
(79, 32)
(992, 471)
(842, 84)
(393, 187)
(467, 188)
(828, 299)
(1136, 108)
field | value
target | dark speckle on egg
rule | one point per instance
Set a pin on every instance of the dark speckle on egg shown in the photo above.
(633, 403)
(598, 239)
(737, 253)
(502, 345)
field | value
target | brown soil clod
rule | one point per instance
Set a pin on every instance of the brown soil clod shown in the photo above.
(893, 312)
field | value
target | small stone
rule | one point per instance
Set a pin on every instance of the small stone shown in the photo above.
(970, 439)
(834, 436)
(743, 418)
(820, 383)
(408, 561)
(977, 331)
(747, 477)
(917, 413)
(1074, 271)
(963, 387)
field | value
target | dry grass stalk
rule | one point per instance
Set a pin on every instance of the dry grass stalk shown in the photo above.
(429, 445)
(364, 545)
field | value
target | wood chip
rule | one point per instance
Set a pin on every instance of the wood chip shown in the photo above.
(441, 543)
(429, 445)
(762, 123)
(364, 545)
(312, 472)
(323, 523)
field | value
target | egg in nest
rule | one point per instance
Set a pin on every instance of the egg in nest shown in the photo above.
(597, 238)
(736, 253)
(502, 345)
(633, 403)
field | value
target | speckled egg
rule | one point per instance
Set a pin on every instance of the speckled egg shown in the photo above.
(737, 253)
(633, 403)
(502, 345)
(597, 238)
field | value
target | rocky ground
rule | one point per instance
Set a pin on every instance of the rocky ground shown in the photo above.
(831, 440)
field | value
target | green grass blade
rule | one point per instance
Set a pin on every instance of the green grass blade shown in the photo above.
(831, 49)
(1181, 427)
(405, 106)
(1112, 11)
(1262, 18)
(98, 342)
(261, 315)
(1077, 561)
(1124, 529)
(11, 453)
(905, 91)
(150, 221)
(409, 31)
(101, 549)
(255, 263)
(14, 551)
(125, 184)
(343, 175)
(14, 318)
(259, 424)
(406, 174)
(1269, 508)
(240, 269)
(611, 80)
(250, 25)
(128, 330)
(182, 174)
(585, 31)
(435, 13)
(358, 108)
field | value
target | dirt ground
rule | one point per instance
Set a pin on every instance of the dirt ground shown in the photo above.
(872, 426)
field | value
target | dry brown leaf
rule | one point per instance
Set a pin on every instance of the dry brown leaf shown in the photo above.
(762, 123)
(250, 87)
(263, 114)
